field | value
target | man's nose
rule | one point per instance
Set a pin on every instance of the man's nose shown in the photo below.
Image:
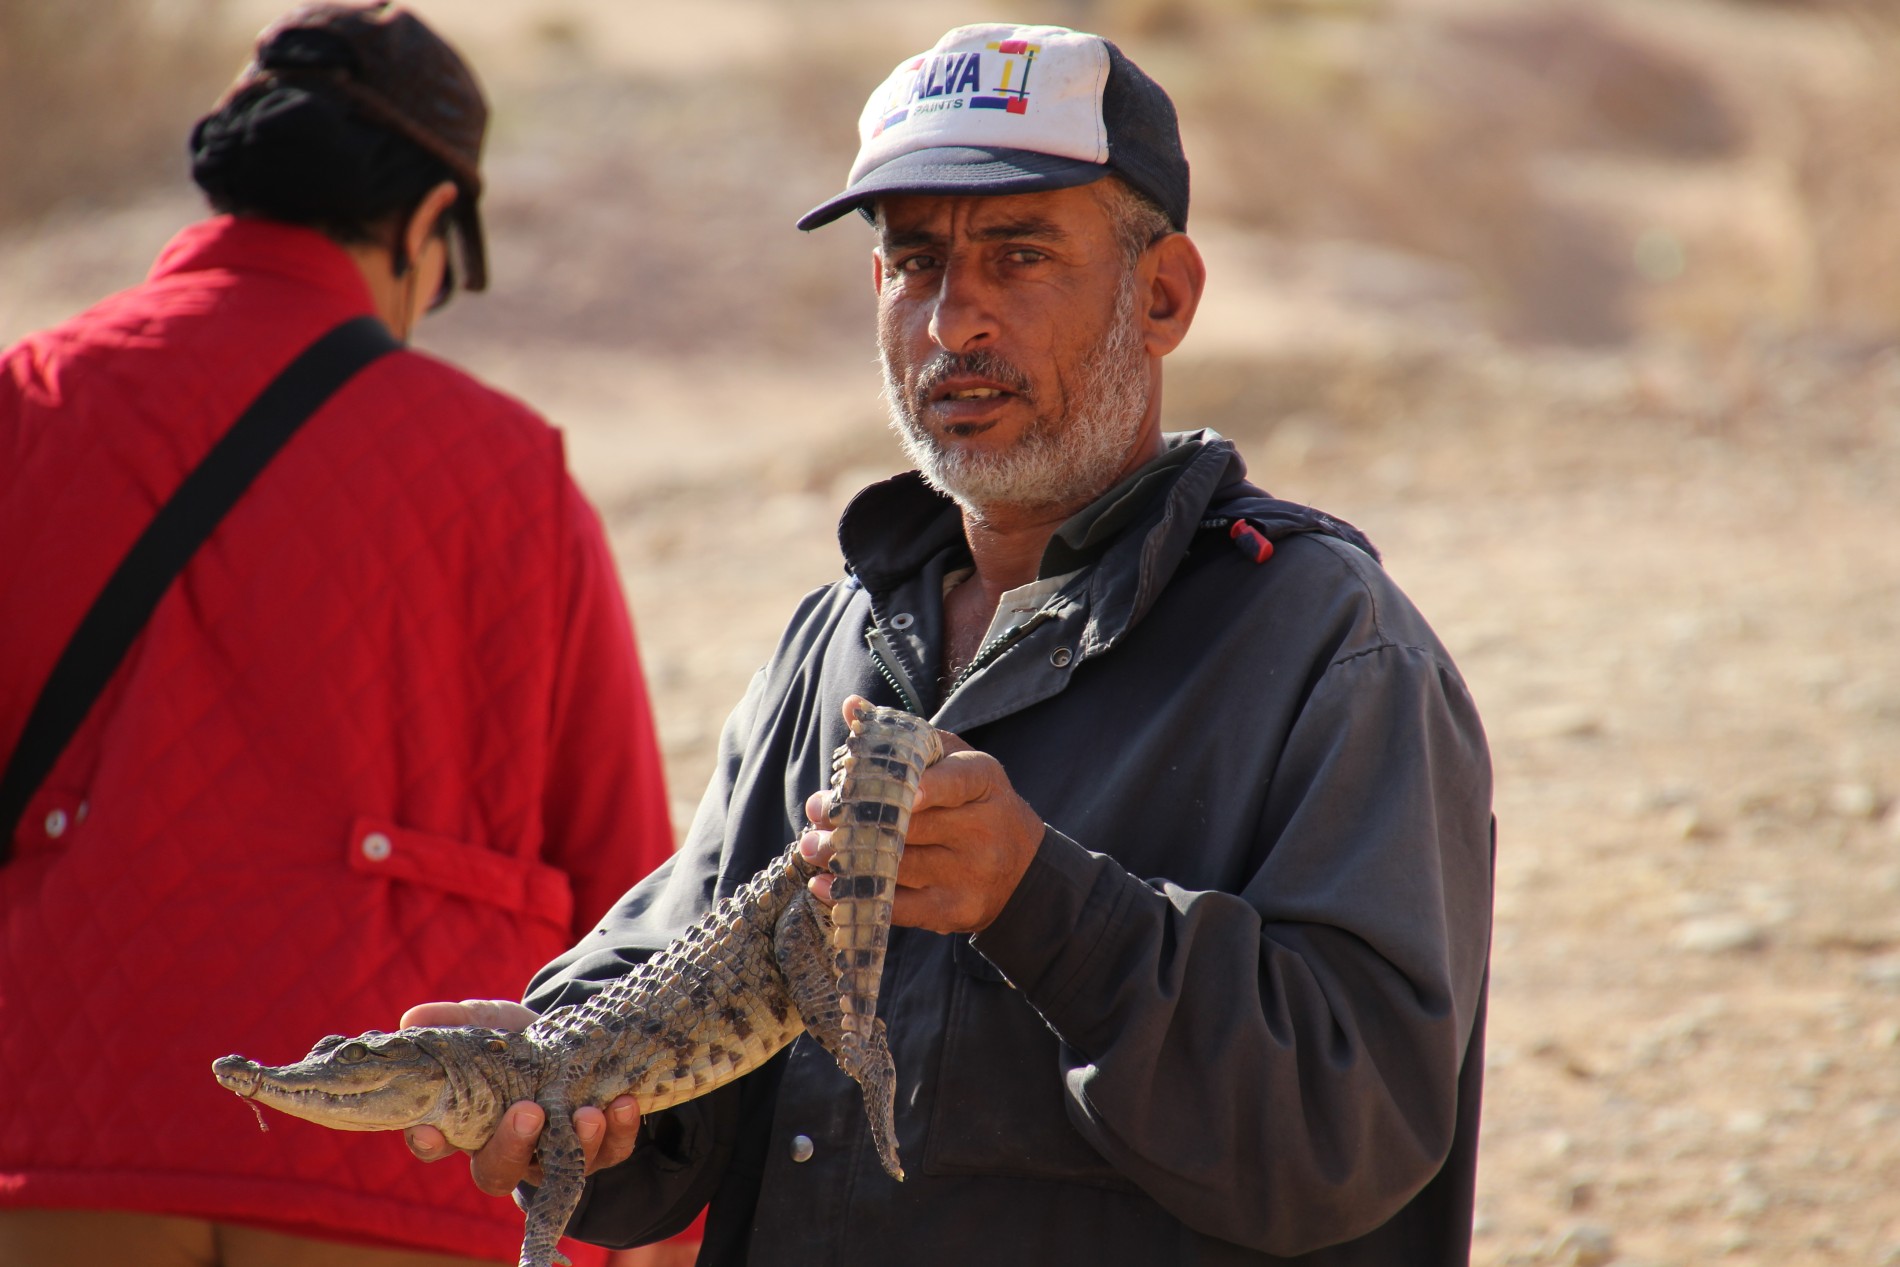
(965, 315)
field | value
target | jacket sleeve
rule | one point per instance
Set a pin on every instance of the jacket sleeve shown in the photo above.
(1312, 1026)
(604, 806)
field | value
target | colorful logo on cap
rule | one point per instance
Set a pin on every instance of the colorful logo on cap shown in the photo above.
(954, 81)
(1035, 90)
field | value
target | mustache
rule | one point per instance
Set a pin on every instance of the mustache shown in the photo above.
(980, 364)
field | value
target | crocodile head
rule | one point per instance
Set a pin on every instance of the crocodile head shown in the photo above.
(386, 1082)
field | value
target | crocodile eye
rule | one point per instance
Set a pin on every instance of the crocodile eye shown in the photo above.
(496, 1044)
(352, 1053)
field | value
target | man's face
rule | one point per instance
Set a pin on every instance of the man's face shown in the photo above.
(1011, 334)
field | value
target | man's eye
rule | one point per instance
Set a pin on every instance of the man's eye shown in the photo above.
(1026, 255)
(916, 263)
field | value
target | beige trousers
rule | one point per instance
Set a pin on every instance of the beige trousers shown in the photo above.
(111, 1238)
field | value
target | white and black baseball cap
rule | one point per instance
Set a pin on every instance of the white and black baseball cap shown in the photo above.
(999, 109)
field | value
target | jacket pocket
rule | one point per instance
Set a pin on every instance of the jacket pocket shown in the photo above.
(1001, 1107)
(519, 885)
(49, 821)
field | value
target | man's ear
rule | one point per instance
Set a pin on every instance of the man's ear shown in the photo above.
(877, 271)
(434, 205)
(1174, 294)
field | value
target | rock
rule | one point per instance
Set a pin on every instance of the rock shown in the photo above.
(1853, 800)
(1720, 935)
(1562, 721)
(1875, 1116)
(1585, 1245)
(1558, 1143)
(1769, 904)
(1662, 797)
(1745, 1201)
(1688, 822)
(1882, 973)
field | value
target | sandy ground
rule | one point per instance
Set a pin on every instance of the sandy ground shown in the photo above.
(1670, 571)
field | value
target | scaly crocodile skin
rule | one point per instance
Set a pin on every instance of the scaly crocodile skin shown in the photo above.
(875, 775)
(731, 991)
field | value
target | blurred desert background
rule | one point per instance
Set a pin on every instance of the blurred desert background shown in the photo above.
(1585, 310)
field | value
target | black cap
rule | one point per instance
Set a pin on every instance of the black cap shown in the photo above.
(1015, 109)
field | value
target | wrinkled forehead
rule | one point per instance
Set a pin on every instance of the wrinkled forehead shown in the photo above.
(1075, 213)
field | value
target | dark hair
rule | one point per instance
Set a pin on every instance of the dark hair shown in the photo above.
(293, 147)
(294, 154)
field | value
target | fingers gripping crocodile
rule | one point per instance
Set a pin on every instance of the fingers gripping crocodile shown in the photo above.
(762, 966)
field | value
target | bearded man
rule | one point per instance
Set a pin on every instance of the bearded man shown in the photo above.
(1193, 936)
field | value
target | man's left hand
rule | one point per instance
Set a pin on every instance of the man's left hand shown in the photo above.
(971, 838)
(497, 1167)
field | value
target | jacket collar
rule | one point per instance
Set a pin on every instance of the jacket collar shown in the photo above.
(1135, 535)
(250, 245)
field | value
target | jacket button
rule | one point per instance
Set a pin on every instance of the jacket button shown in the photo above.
(801, 1148)
(376, 846)
(56, 823)
(1060, 657)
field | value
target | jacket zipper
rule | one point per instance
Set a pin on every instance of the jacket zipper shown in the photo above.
(890, 668)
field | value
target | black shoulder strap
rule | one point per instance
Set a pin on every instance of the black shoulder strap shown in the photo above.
(123, 607)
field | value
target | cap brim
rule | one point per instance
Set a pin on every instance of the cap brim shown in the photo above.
(960, 170)
(468, 231)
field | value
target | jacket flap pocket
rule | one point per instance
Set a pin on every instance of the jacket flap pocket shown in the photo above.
(1001, 1101)
(453, 866)
(971, 960)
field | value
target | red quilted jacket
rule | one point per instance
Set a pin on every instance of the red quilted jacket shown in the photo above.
(385, 740)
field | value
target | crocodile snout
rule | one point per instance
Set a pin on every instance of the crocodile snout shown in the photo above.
(238, 1074)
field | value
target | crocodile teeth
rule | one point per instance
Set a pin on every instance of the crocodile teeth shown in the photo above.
(239, 1074)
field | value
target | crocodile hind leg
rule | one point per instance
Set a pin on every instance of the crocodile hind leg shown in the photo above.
(564, 1172)
(802, 944)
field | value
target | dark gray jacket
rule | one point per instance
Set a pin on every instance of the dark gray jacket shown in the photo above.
(1234, 1011)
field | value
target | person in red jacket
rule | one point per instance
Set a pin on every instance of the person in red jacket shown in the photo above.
(384, 738)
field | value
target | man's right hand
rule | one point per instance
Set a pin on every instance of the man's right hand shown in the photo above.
(507, 1159)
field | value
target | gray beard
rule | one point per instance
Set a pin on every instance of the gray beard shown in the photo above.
(1063, 460)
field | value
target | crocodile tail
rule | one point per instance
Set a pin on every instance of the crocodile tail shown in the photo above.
(877, 774)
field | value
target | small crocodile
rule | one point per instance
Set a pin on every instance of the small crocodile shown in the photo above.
(759, 968)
